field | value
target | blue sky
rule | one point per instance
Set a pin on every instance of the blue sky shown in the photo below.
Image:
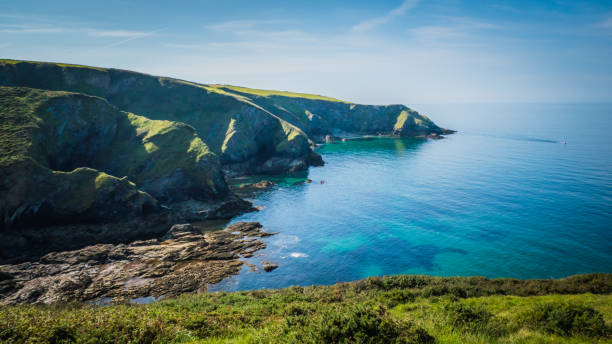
(379, 52)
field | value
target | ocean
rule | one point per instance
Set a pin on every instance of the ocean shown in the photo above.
(521, 190)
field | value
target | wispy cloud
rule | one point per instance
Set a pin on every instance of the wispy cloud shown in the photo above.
(450, 28)
(129, 37)
(432, 33)
(369, 24)
(124, 35)
(118, 33)
(14, 15)
(470, 23)
(51, 29)
(38, 29)
(254, 34)
(241, 25)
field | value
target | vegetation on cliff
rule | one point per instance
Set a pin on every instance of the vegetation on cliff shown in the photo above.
(62, 154)
(165, 144)
(248, 129)
(398, 309)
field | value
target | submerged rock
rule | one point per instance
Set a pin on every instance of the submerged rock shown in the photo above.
(268, 266)
(264, 184)
(250, 190)
(185, 259)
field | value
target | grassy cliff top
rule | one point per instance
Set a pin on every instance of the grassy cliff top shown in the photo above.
(397, 309)
(245, 90)
(266, 93)
(11, 61)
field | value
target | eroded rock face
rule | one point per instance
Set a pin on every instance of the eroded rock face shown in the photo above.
(33, 195)
(241, 134)
(250, 131)
(74, 171)
(93, 155)
(184, 260)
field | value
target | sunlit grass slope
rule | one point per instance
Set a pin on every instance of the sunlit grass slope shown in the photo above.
(245, 127)
(399, 309)
(209, 110)
(265, 93)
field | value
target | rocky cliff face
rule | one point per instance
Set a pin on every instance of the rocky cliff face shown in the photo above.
(319, 117)
(251, 131)
(243, 135)
(81, 146)
(70, 158)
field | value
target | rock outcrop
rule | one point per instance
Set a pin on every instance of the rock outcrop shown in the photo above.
(251, 131)
(94, 155)
(186, 259)
(61, 157)
(252, 189)
(245, 137)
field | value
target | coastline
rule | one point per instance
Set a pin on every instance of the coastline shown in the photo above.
(412, 308)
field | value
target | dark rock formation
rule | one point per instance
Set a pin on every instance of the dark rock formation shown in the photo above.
(268, 266)
(60, 157)
(184, 260)
(93, 155)
(251, 131)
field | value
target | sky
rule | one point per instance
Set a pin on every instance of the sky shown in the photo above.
(371, 52)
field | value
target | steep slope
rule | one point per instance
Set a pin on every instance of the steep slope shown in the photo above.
(319, 115)
(86, 145)
(252, 131)
(61, 154)
(243, 135)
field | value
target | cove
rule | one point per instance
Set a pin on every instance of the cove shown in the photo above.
(504, 197)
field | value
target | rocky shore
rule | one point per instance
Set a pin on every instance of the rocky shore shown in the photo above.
(97, 165)
(185, 259)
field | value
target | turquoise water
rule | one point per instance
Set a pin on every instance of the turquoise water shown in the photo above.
(504, 197)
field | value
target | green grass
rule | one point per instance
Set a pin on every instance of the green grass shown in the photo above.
(10, 61)
(267, 93)
(398, 309)
(62, 131)
(401, 119)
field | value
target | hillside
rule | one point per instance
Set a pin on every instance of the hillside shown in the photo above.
(252, 131)
(86, 145)
(69, 158)
(397, 309)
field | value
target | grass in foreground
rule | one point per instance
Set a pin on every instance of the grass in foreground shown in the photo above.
(398, 309)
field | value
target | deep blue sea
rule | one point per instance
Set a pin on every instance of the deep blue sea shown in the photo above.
(504, 197)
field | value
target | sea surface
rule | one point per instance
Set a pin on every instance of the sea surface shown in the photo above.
(503, 197)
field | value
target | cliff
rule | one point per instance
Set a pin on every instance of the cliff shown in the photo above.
(251, 131)
(84, 145)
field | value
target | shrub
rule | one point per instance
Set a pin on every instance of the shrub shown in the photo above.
(566, 319)
(299, 308)
(474, 319)
(357, 324)
(396, 297)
